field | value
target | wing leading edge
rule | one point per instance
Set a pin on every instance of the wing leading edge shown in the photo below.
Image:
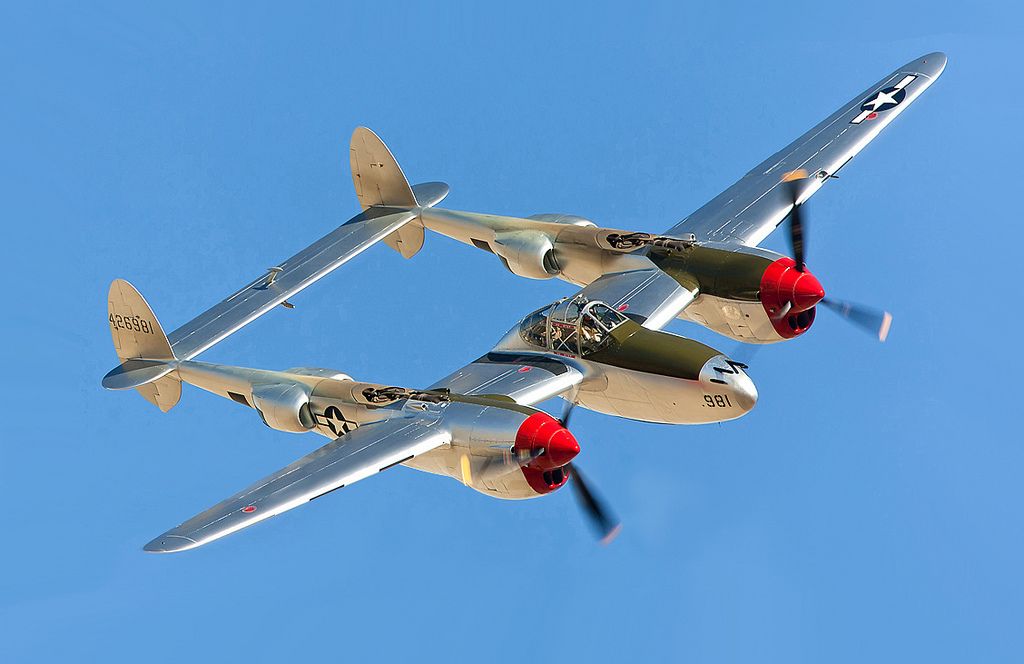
(748, 211)
(357, 455)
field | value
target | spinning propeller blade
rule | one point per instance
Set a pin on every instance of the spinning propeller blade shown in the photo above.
(606, 524)
(796, 221)
(599, 515)
(508, 461)
(567, 409)
(873, 320)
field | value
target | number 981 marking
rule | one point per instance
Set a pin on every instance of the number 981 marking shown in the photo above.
(717, 401)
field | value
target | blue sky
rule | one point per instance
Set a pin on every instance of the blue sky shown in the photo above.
(867, 510)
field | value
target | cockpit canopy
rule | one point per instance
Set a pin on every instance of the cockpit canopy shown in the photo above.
(574, 326)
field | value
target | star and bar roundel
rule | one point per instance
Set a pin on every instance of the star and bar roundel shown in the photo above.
(334, 420)
(883, 100)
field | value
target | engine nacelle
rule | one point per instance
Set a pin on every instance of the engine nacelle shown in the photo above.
(526, 253)
(747, 293)
(567, 219)
(543, 447)
(283, 406)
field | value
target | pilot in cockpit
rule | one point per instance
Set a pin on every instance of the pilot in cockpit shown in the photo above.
(590, 331)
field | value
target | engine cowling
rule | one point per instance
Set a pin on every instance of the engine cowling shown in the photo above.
(283, 406)
(528, 254)
(543, 447)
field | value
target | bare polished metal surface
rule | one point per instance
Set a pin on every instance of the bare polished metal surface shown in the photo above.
(362, 453)
(602, 347)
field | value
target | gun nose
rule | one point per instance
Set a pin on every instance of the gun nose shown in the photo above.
(720, 375)
(743, 390)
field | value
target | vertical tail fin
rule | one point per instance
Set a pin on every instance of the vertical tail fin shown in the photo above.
(379, 181)
(136, 331)
(147, 361)
(377, 176)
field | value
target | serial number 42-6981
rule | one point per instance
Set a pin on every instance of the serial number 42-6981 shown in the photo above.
(131, 323)
(717, 400)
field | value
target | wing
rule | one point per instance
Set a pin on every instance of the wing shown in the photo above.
(749, 210)
(526, 378)
(277, 285)
(650, 297)
(359, 454)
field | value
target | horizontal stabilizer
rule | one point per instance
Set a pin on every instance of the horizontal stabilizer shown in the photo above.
(136, 373)
(429, 194)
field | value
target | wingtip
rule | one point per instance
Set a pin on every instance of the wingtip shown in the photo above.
(930, 65)
(170, 544)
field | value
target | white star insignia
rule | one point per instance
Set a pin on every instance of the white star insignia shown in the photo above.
(334, 419)
(337, 423)
(881, 99)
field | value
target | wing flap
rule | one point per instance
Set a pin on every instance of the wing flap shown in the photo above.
(753, 207)
(356, 455)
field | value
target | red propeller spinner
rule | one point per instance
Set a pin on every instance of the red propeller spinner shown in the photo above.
(789, 296)
(547, 471)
